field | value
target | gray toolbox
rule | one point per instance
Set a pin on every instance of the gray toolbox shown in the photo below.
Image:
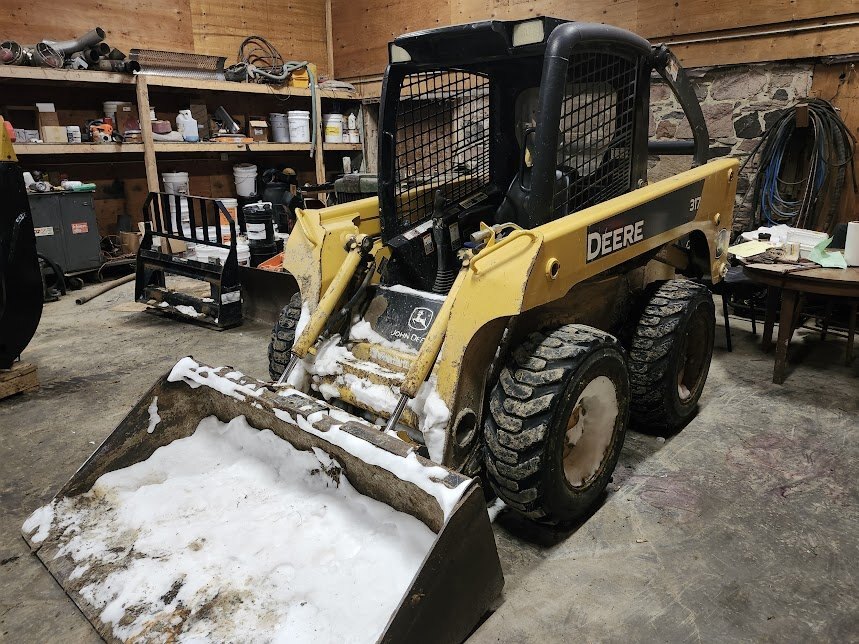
(67, 230)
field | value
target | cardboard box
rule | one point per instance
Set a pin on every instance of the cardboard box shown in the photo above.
(129, 242)
(47, 115)
(126, 118)
(54, 134)
(258, 130)
(200, 114)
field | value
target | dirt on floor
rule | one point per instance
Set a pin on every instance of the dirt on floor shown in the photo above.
(741, 527)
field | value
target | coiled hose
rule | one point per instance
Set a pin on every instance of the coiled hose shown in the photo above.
(801, 171)
(264, 63)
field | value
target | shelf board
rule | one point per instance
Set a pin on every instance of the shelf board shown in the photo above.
(331, 147)
(278, 147)
(73, 76)
(232, 147)
(77, 148)
(84, 76)
(178, 82)
(161, 146)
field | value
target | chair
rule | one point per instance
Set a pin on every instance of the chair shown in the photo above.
(736, 283)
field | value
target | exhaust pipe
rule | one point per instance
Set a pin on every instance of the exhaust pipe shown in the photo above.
(126, 66)
(11, 53)
(44, 55)
(89, 39)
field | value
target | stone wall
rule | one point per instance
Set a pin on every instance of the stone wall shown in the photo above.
(739, 103)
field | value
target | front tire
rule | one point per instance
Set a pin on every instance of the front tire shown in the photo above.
(557, 422)
(670, 356)
(283, 337)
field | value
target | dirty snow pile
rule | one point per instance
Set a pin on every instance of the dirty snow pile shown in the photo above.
(231, 534)
(190, 311)
(432, 412)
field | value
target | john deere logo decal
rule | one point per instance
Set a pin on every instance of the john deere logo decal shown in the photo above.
(420, 319)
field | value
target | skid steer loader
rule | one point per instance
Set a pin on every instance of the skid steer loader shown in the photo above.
(500, 313)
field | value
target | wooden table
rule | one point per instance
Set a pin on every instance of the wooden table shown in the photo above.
(784, 281)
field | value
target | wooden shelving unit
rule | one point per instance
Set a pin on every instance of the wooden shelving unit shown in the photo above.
(29, 149)
(144, 85)
(331, 147)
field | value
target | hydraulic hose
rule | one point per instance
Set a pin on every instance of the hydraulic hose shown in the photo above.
(801, 200)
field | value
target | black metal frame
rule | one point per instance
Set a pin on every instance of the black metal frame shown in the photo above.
(154, 265)
(487, 48)
(615, 120)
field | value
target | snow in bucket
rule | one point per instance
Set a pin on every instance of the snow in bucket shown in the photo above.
(237, 536)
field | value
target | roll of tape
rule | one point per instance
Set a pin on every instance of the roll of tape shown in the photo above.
(851, 246)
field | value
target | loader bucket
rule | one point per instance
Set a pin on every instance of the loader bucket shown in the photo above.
(219, 510)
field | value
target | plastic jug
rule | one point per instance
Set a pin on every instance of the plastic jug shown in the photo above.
(187, 126)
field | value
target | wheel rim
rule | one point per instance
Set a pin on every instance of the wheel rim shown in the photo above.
(693, 357)
(590, 430)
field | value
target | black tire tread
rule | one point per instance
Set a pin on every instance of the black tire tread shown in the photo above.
(520, 412)
(283, 337)
(649, 354)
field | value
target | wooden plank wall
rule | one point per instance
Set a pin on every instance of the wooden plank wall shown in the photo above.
(703, 32)
(296, 27)
(840, 85)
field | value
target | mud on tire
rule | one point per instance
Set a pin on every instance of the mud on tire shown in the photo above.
(544, 388)
(670, 356)
(283, 337)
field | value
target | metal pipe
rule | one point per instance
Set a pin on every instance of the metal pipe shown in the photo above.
(89, 39)
(126, 66)
(104, 288)
(91, 55)
(391, 425)
(670, 147)
(44, 55)
(11, 53)
(762, 33)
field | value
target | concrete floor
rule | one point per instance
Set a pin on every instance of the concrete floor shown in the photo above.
(742, 527)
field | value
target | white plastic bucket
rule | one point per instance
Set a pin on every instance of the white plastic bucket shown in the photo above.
(256, 231)
(354, 137)
(299, 126)
(232, 207)
(332, 126)
(109, 108)
(216, 255)
(279, 127)
(175, 183)
(245, 175)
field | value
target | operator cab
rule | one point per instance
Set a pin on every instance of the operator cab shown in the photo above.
(478, 123)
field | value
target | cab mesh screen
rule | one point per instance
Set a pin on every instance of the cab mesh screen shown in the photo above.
(442, 141)
(597, 123)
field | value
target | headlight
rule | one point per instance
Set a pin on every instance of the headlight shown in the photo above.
(723, 239)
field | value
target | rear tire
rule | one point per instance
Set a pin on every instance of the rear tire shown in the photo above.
(557, 422)
(283, 337)
(670, 356)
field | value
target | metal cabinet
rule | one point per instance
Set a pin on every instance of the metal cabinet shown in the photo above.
(67, 230)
